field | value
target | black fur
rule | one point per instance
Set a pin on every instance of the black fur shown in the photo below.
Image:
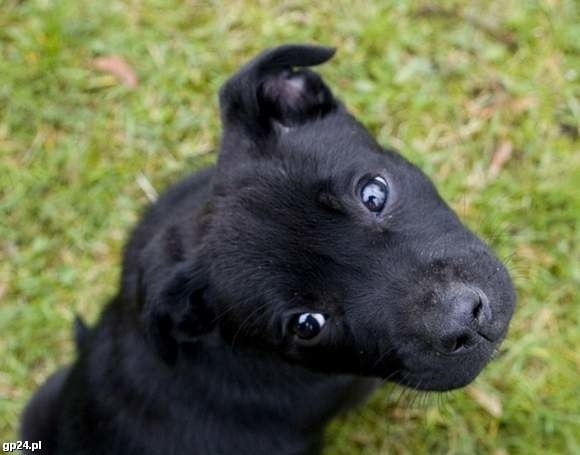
(195, 355)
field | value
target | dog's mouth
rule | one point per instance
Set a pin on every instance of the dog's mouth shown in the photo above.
(453, 343)
(421, 368)
(435, 371)
(433, 381)
(436, 357)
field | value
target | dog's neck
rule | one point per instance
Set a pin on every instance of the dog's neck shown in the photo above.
(220, 386)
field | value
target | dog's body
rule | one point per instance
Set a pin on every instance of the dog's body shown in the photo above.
(201, 351)
(225, 400)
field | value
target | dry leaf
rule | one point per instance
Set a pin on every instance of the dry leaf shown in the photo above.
(491, 403)
(118, 67)
(501, 155)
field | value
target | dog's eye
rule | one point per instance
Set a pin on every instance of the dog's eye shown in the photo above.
(374, 194)
(307, 325)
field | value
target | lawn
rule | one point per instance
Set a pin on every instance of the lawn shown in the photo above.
(483, 95)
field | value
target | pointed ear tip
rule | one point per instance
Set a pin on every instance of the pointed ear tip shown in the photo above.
(324, 52)
(298, 54)
(329, 51)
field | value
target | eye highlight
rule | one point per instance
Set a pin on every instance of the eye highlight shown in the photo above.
(307, 325)
(374, 194)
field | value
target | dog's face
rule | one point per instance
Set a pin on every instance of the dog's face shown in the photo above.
(334, 252)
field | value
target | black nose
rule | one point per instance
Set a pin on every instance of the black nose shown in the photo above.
(456, 323)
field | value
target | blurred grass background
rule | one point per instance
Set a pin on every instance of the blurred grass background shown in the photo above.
(483, 95)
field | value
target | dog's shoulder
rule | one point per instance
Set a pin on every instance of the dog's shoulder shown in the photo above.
(163, 221)
(179, 200)
(191, 190)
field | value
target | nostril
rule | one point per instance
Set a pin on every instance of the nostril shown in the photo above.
(476, 312)
(460, 319)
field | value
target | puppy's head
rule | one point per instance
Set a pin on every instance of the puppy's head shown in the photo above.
(334, 252)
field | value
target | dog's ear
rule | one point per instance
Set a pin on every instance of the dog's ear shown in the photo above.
(276, 89)
(174, 306)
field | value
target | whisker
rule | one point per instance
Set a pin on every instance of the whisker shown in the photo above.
(246, 320)
(383, 355)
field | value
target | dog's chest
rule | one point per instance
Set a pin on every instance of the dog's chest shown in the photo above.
(218, 401)
(287, 417)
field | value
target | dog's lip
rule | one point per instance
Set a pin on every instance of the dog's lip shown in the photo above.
(430, 374)
(463, 350)
(484, 343)
(416, 382)
(488, 338)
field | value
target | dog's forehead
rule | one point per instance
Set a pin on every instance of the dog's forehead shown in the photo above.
(338, 135)
(329, 154)
(321, 151)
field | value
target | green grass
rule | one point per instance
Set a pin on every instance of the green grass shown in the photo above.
(447, 88)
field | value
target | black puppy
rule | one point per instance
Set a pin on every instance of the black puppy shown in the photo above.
(261, 297)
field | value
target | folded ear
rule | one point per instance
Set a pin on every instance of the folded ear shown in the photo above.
(174, 309)
(276, 88)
